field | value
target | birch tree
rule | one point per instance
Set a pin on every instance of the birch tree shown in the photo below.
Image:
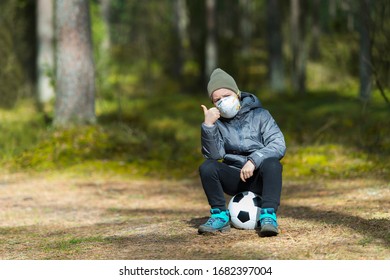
(45, 58)
(211, 40)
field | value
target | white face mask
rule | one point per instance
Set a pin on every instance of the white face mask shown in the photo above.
(229, 106)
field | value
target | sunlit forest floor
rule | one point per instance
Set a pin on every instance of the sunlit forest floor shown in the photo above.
(128, 188)
(118, 218)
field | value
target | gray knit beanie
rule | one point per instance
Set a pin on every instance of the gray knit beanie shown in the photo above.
(221, 79)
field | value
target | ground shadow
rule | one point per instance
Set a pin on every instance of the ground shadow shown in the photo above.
(196, 222)
(375, 228)
(149, 212)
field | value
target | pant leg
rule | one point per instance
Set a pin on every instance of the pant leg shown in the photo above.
(218, 178)
(271, 174)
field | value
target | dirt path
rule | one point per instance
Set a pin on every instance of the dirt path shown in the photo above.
(119, 218)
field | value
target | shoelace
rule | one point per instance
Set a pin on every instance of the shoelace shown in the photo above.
(268, 220)
(212, 220)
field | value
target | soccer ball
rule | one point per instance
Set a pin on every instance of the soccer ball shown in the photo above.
(244, 210)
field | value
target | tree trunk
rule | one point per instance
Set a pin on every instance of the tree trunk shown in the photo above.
(246, 26)
(105, 12)
(181, 29)
(315, 30)
(298, 48)
(211, 41)
(45, 59)
(365, 51)
(75, 103)
(275, 55)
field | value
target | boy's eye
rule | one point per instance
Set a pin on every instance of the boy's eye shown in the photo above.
(219, 98)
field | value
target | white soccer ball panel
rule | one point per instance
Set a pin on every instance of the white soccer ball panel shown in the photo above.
(244, 210)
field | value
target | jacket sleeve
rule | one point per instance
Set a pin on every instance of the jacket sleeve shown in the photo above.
(212, 142)
(235, 160)
(272, 138)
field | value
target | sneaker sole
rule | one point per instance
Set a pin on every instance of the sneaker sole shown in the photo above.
(267, 231)
(212, 230)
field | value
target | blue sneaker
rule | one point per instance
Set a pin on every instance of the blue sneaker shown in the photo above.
(219, 221)
(268, 223)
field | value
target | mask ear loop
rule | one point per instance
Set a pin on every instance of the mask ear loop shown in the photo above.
(239, 98)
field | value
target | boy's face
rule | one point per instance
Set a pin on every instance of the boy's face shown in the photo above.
(221, 93)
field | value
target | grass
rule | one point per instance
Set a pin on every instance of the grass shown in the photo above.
(327, 134)
(21, 128)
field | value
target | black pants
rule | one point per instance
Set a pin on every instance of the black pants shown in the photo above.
(219, 178)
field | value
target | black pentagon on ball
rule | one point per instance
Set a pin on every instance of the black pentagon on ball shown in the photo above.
(257, 201)
(238, 197)
(243, 216)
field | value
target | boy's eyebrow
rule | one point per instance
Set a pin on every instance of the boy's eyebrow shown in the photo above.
(223, 95)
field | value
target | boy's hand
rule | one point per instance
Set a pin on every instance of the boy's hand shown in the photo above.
(247, 170)
(210, 115)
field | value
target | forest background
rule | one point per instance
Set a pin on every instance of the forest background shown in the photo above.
(100, 104)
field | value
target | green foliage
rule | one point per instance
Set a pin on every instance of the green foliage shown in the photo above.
(158, 137)
(339, 55)
(20, 129)
(16, 25)
(327, 134)
(65, 147)
(331, 135)
(335, 161)
(329, 117)
(149, 126)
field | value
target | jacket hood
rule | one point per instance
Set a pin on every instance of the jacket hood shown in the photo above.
(249, 102)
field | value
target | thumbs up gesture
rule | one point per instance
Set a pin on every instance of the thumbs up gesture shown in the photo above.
(210, 115)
